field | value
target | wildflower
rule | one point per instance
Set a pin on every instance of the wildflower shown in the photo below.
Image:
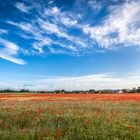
(98, 114)
(58, 134)
(129, 126)
(87, 122)
(49, 133)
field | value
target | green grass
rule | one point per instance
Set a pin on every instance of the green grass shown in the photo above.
(69, 121)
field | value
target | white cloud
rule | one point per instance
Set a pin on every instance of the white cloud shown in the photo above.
(121, 26)
(22, 7)
(6, 56)
(9, 45)
(55, 11)
(9, 51)
(51, 21)
(63, 17)
(52, 28)
(3, 31)
(25, 26)
(98, 81)
(68, 22)
(40, 29)
(60, 30)
(96, 6)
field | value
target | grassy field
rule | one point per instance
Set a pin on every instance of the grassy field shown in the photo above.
(70, 117)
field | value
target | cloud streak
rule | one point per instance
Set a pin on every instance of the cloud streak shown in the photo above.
(22, 7)
(120, 27)
(9, 50)
(51, 29)
(3, 31)
(98, 81)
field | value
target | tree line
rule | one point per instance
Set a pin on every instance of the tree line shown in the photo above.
(91, 91)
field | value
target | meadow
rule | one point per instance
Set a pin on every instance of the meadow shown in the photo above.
(70, 117)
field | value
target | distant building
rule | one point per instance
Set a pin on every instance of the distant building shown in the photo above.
(119, 91)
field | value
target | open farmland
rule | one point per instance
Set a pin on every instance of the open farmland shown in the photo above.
(69, 117)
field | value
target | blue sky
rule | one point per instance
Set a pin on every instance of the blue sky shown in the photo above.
(75, 44)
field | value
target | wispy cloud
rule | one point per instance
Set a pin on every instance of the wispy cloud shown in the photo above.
(49, 29)
(23, 7)
(120, 27)
(95, 5)
(98, 81)
(3, 31)
(69, 31)
(9, 51)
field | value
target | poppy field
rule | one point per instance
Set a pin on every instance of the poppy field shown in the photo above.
(70, 116)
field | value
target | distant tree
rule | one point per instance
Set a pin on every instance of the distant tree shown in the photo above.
(91, 91)
(63, 91)
(134, 90)
(138, 89)
(24, 90)
(57, 91)
(125, 90)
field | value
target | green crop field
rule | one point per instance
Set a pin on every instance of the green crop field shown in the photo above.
(69, 120)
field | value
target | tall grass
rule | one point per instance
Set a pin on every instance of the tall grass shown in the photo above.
(69, 120)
